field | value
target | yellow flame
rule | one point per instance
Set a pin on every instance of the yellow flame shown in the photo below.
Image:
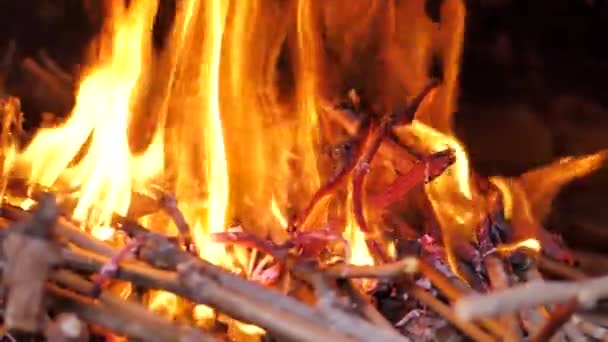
(307, 62)
(360, 254)
(436, 141)
(203, 315)
(164, 303)
(276, 212)
(531, 244)
(102, 111)
(102, 233)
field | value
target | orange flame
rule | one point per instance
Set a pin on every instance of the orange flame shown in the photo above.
(107, 173)
(530, 244)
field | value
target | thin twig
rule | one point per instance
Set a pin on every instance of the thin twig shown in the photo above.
(533, 294)
(470, 329)
(362, 302)
(557, 319)
(110, 268)
(121, 321)
(500, 281)
(407, 265)
(559, 268)
(380, 133)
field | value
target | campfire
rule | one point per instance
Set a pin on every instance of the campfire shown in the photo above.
(277, 170)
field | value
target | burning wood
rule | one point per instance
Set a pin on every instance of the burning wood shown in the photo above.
(310, 257)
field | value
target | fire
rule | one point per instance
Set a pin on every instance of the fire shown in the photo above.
(360, 254)
(98, 125)
(531, 244)
(233, 145)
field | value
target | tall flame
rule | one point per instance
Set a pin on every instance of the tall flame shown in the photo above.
(99, 122)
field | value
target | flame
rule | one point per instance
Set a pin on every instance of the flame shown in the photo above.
(360, 254)
(530, 244)
(276, 212)
(104, 175)
(234, 147)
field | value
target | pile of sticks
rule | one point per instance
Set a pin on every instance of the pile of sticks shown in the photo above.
(51, 272)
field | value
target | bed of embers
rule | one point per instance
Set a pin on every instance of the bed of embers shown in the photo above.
(398, 241)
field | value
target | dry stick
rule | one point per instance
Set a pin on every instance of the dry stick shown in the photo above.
(149, 277)
(537, 316)
(407, 265)
(389, 150)
(127, 308)
(52, 66)
(590, 329)
(421, 172)
(355, 144)
(110, 268)
(162, 253)
(205, 290)
(328, 306)
(558, 318)
(533, 294)
(207, 284)
(499, 281)
(168, 202)
(559, 268)
(362, 302)
(534, 318)
(119, 321)
(30, 253)
(362, 166)
(65, 228)
(470, 329)
(453, 289)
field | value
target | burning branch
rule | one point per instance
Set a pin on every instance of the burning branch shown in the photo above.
(352, 152)
(362, 166)
(169, 204)
(423, 171)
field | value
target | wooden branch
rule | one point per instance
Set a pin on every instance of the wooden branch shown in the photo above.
(470, 329)
(590, 329)
(407, 265)
(559, 269)
(264, 314)
(30, 254)
(122, 321)
(333, 312)
(204, 283)
(452, 288)
(65, 229)
(557, 319)
(363, 303)
(532, 294)
(500, 281)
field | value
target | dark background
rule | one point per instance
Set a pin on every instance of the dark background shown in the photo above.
(534, 87)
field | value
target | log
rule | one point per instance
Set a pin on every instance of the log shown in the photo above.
(30, 254)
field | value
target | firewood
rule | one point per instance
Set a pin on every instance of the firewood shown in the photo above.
(533, 294)
(207, 284)
(499, 280)
(30, 253)
(122, 321)
(557, 319)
